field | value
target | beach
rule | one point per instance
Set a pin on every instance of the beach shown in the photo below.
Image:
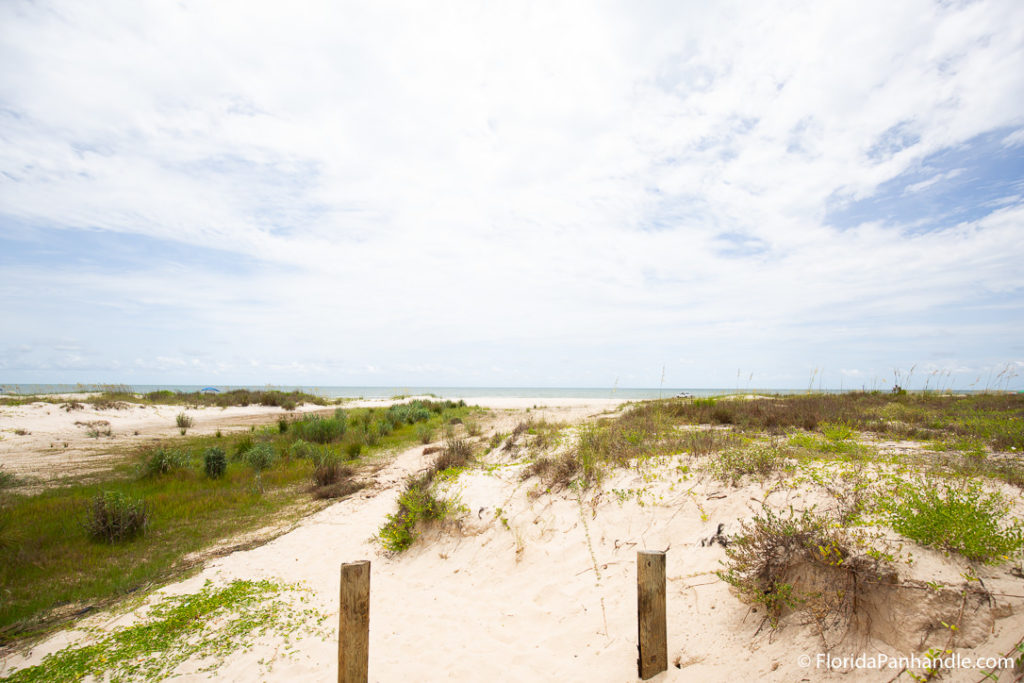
(528, 581)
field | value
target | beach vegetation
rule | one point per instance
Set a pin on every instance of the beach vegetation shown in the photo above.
(163, 460)
(956, 517)
(52, 570)
(115, 517)
(184, 422)
(215, 462)
(261, 456)
(209, 625)
(419, 503)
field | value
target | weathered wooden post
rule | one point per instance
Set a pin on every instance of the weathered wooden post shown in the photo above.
(652, 636)
(354, 623)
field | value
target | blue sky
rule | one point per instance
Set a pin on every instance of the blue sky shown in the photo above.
(549, 194)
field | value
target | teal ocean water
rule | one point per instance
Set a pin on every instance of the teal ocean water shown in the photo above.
(388, 392)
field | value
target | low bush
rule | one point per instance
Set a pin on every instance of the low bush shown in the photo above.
(215, 462)
(261, 456)
(301, 449)
(163, 460)
(242, 447)
(799, 560)
(329, 469)
(184, 421)
(455, 453)
(554, 472)
(115, 517)
(424, 433)
(957, 518)
(353, 449)
(321, 429)
(416, 504)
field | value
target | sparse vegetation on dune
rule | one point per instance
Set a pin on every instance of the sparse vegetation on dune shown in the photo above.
(419, 503)
(119, 396)
(176, 498)
(211, 624)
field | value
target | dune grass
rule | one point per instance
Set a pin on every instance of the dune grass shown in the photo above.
(51, 569)
(118, 396)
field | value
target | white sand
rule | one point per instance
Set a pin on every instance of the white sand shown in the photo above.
(552, 595)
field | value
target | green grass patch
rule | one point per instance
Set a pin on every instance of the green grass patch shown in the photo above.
(960, 518)
(211, 625)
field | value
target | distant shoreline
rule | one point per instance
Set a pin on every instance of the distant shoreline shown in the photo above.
(377, 392)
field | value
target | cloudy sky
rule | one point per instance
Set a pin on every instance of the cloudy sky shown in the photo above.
(512, 194)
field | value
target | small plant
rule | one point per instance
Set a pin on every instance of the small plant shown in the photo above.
(7, 479)
(282, 425)
(424, 433)
(243, 446)
(960, 519)
(472, 427)
(416, 504)
(759, 461)
(115, 517)
(261, 456)
(216, 462)
(329, 469)
(164, 460)
(352, 450)
(773, 550)
(554, 472)
(184, 422)
(456, 453)
(300, 449)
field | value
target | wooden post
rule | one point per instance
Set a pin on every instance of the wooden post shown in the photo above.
(652, 636)
(354, 623)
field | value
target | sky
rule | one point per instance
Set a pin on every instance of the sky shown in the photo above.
(593, 194)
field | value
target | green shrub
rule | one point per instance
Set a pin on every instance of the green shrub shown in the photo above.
(301, 449)
(773, 550)
(164, 460)
(242, 447)
(261, 456)
(424, 433)
(455, 453)
(320, 429)
(329, 469)
(416, 504)
(352, 450)
(958, 518)
(184, 421)
(116, 517)
(216, 462)
(282, 425)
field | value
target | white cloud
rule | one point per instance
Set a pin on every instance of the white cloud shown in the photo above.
(418, 177)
